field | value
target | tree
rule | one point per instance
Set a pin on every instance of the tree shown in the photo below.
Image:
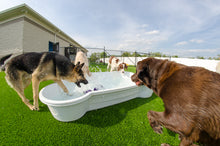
(103, 54)
(135, 54)
(158, 54)
(175, 56)
(94, 57)
(199, 57)
(126, 54)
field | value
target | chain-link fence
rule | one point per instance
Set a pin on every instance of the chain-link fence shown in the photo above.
(101, 55)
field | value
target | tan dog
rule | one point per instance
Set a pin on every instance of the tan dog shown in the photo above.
(81, 57)
(37, 67)
(191, 97)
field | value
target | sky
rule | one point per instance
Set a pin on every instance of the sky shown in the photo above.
(187, 28)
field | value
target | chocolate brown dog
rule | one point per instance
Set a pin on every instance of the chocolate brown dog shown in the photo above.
(191, 97)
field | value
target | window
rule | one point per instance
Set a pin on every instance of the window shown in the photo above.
(53, 46)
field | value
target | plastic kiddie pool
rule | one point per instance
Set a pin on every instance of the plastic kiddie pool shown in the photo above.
(104, 89)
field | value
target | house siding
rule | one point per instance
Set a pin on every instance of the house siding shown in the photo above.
(11, 37)
(35, 39)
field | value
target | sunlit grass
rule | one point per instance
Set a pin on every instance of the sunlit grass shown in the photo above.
(122, 124)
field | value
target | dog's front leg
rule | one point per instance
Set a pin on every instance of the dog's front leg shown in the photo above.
(175, 123)
(108, 67)
(154, 123)
(60, 83)
(35, 86)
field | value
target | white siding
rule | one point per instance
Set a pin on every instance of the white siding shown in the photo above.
(11, 37)
(36, 39)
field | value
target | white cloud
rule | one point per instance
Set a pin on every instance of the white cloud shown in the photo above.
(181, 43)
(140, 39)
(153, 32)
(197, 41)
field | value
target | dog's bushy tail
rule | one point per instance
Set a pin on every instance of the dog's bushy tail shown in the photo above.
(2, 61)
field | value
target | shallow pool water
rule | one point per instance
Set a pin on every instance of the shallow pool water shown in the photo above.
(97, 82)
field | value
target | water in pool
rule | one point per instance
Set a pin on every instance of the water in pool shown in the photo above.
(97, 82)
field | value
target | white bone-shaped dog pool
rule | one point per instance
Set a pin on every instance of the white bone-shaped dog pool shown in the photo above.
(104, 89)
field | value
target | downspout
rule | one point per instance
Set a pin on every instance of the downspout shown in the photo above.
(55, 38)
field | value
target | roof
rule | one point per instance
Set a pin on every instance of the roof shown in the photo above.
(25, 11)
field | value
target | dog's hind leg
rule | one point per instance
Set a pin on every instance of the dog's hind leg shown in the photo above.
(60, 83)
(20, 92)
(18, 86)
(26, 81)
(35, 86)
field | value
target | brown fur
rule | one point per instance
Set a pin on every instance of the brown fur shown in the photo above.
(191, 97)
(122, 66)
(37, 67)
(110, 59)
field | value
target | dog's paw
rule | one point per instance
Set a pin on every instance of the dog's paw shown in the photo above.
(33, 108)
(154, 123)
(66, 90)
(158, 129)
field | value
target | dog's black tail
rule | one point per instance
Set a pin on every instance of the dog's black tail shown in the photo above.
(2, 61)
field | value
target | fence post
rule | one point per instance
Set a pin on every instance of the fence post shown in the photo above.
(135, 54)
(104, 55)
(122, 57)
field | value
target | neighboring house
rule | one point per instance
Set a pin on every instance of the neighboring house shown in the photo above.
(24, 30)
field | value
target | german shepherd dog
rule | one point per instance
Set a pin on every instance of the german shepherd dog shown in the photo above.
(37, 67)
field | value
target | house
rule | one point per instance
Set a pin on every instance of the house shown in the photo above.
(24, 30)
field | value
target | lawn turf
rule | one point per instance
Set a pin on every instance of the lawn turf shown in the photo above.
(122, 124)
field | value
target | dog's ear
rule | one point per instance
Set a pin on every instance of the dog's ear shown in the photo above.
(142, 70)
(79, 66)
(119, 67)
(126, 67)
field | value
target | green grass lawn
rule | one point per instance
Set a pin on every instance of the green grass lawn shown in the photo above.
(122, 124)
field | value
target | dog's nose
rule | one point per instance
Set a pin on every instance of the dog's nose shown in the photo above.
(85, 82)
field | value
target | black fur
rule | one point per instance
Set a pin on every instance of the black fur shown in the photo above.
(63, 64)
(2, 61)
(28, 62)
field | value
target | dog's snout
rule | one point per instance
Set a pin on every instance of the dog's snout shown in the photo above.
(85, 82)
(134, 77)
(81, 81)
